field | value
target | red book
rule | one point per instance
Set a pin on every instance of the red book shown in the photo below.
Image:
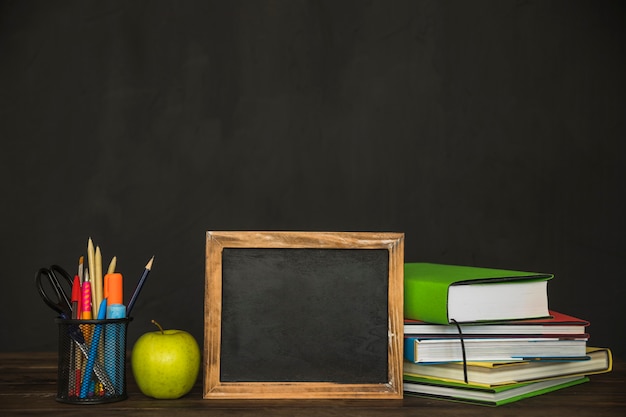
(558, 325)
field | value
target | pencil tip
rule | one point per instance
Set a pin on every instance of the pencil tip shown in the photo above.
(149, 264)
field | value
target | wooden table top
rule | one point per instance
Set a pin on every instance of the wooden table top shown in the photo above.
(28, 387)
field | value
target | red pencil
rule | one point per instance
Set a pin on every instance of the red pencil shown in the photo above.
(76, 298)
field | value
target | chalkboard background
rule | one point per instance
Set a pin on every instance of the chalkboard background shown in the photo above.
(491, 133)
(305, 315)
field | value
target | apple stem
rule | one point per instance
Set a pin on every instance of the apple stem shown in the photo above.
(158, 325)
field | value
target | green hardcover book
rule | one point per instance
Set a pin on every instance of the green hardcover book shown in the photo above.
(495, 396)
(439, 293)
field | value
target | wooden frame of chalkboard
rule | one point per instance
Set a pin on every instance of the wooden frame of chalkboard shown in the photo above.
(307, 315)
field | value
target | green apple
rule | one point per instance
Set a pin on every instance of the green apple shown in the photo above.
(165, 363)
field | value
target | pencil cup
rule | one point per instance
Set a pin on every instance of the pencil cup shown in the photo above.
(92, 361)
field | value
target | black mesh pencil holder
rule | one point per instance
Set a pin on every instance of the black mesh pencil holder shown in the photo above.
(92, 361)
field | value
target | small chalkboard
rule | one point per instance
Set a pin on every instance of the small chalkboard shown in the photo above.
(303, 315)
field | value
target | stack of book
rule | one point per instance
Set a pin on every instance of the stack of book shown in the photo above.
(486, 336)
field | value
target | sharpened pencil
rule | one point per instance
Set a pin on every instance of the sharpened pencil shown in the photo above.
(98, 282)
(112, 265)
(91, 261)
(142, 280)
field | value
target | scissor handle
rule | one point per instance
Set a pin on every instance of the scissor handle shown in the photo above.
(62, 304)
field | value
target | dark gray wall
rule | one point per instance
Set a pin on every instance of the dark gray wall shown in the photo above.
(491, 133)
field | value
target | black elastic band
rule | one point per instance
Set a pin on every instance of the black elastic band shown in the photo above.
(462, 350)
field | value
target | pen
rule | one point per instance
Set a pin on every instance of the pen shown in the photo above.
(86, 298)
(76, 298)
(142, 280)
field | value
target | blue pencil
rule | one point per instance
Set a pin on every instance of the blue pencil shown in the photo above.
(144, 275)
(93, 351)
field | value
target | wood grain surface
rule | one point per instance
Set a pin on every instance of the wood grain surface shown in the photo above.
(28, 387)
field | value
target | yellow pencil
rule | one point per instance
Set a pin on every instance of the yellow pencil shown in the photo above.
(92, 273)
(112, 265)
(98, 277)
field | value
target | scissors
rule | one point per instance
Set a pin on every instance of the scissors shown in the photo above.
(57, 278)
